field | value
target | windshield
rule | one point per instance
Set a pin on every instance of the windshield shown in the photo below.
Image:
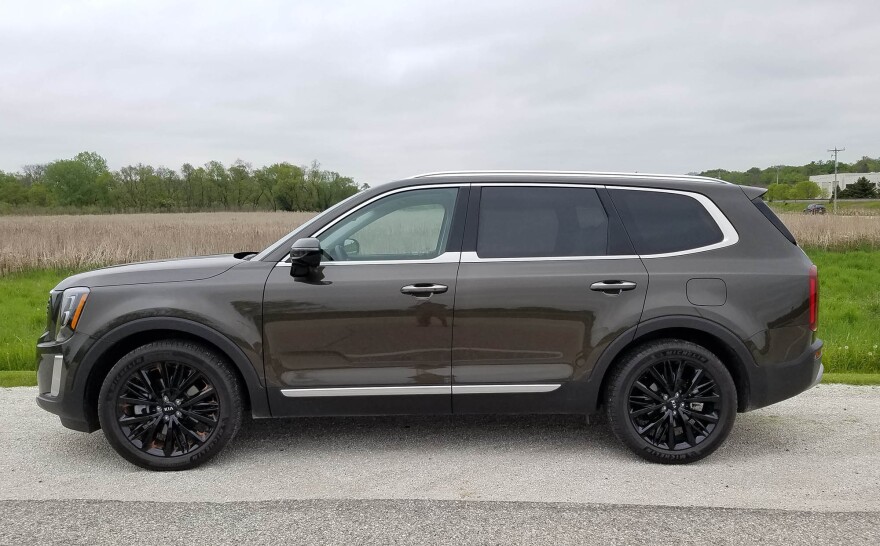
(274, 246)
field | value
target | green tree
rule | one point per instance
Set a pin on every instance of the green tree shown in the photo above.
(778, 192)
(288, 186)
(11, 190)
(81, 181)
(860, 189)
(241, 183)
(85, 181)
(805, 190)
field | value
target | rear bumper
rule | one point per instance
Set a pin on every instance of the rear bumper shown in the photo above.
(775, 383)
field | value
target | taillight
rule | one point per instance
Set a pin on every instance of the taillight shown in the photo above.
(814, 298)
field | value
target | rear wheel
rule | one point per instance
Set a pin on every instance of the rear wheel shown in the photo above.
(170, 405)
(671, 401)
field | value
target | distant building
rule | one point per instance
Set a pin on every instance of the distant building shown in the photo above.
(826, 181)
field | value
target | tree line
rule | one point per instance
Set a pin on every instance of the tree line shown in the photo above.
(792, 182)
(84, 183)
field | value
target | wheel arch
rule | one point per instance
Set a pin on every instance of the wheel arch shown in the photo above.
(725, 344)
(112, 346)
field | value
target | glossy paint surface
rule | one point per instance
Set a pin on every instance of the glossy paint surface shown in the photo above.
(539, 321)
(350, 326)
(506, 322)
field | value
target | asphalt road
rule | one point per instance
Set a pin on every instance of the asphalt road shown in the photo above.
(803, 471)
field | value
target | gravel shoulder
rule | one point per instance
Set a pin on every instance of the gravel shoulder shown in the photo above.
(816, 452)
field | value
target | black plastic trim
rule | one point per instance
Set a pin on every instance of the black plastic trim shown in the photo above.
(770, 215)
(71, 405)
(748, 368)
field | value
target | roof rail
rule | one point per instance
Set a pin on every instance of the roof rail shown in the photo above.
(595, 174)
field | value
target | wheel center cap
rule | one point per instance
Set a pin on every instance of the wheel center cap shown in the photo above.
(168, 409)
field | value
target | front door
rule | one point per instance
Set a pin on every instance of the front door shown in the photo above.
(548, 279)
(371, 331)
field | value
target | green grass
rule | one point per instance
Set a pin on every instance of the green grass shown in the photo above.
(849, 315)
(852, 378)
(18, 379)
(23, 315)
(849, 310)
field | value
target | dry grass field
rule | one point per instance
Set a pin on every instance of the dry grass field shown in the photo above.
(79, 242)
(829, 232)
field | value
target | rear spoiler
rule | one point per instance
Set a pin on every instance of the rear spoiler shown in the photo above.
(753, 192)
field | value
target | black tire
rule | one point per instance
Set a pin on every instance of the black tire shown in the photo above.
(671, 401)
(170, 405)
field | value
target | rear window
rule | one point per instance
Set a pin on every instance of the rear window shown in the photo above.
(659, 222)
(770, 215)
(521, 222)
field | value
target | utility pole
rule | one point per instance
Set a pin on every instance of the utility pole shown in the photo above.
(836, 150)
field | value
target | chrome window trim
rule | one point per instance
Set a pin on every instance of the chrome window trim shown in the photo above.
(416, 390)
(382, 196)
(445, 258)
(728, 232)
(472, 257)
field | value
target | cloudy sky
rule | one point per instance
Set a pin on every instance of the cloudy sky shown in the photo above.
(383, 89)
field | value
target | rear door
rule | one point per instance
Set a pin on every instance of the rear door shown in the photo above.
(548, 278)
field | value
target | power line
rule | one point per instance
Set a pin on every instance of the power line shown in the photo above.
(836, 150)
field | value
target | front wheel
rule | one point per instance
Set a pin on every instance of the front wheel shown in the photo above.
(170, 405)
(671, 401)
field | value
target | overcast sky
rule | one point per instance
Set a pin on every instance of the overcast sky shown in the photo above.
(381, 89)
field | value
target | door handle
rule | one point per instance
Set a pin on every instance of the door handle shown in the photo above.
(423, 289)
(612, 287)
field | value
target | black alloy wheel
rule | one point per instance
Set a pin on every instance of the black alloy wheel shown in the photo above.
(167, 408)
(674, 404)
(671, 401)
(170, 405)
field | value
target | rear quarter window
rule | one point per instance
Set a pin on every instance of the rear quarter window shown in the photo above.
(660, 223)
(771, 216)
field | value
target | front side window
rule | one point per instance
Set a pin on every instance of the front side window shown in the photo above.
(660, 222)
(410, 225)
(534, 222)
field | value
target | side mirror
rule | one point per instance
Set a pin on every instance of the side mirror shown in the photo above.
(305, 256)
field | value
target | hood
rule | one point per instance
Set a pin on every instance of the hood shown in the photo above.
(184, 269)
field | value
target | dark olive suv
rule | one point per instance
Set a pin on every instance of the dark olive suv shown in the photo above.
(669, 302)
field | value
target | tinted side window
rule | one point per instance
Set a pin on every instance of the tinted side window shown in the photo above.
(665, 222)
(524, 222)
(410, 225)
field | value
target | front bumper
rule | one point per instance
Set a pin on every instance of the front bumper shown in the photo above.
(778, 382)
(61, 390)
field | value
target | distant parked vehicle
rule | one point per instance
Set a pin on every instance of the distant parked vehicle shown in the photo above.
(815, 208)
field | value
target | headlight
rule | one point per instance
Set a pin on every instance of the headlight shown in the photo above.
(72, 302)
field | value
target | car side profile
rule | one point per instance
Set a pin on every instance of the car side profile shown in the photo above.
(670, 303)
(815, 208)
